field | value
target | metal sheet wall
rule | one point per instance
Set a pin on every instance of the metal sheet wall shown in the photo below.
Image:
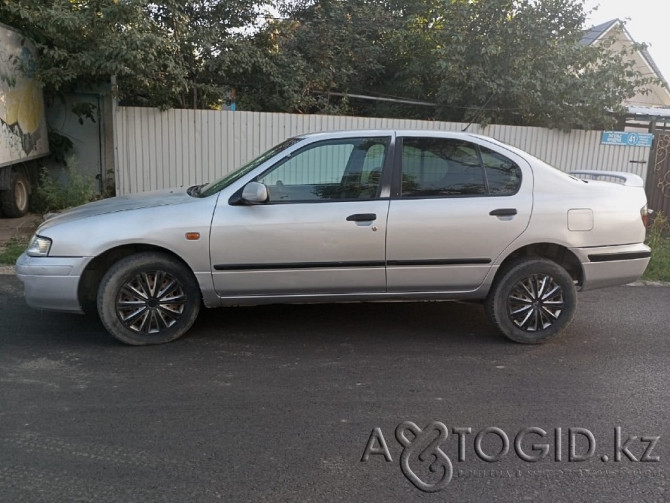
(160, 149)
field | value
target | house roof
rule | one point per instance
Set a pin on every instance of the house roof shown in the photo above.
(649, 112)
(597, 32)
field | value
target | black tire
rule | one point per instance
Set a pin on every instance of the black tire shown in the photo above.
(148, 298)
(15, 199)
(532, 300)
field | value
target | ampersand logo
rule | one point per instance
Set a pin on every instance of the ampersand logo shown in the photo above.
(424, 446)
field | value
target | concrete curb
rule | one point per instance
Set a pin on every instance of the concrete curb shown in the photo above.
(644, 282)
(7, 270)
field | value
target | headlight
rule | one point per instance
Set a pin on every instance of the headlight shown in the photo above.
(39, 247)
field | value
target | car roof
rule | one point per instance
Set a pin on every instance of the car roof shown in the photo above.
(386, 132)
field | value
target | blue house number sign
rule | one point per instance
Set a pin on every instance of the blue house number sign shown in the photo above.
(628, 139)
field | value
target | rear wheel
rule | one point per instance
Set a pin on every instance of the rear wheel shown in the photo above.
(148, 298)
(532, 301)
(15, 199)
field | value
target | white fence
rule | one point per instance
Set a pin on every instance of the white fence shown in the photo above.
(155, 149)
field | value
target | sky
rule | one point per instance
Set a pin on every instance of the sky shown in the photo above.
(646, 21)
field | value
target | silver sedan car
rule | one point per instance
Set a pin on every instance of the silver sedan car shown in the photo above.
(348, 216)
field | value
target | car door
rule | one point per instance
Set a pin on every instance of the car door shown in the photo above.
(457, 205)
(321, 232)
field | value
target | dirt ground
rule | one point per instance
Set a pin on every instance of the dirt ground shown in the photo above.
(17, 227)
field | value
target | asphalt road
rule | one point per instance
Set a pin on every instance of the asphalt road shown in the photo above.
(282, 403)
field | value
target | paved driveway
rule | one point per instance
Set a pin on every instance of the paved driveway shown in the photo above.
(282, 403)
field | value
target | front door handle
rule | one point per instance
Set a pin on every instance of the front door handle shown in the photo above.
(503, 212)
(362, 217)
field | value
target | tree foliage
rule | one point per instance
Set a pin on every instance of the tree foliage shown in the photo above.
(159, 52)
(330, 46)
(521, 62)
(493, 61)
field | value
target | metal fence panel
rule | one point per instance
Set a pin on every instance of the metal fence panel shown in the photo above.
(162, 149)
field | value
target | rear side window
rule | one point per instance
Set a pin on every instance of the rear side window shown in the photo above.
(502, 174)
(444, 167)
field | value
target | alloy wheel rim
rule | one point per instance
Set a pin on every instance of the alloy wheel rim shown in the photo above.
(535, 303)
(150, 302)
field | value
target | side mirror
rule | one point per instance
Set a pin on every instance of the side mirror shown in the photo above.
(255, 193)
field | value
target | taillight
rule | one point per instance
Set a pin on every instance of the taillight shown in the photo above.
(644, 213)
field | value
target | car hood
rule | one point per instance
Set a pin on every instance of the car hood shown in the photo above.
(166, 197)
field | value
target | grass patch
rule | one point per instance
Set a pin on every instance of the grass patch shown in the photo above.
(71, 189)
(659, 266)
(13, 249)
(658, 238)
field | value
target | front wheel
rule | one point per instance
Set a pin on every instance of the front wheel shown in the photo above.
(148, 298)
(532, 301)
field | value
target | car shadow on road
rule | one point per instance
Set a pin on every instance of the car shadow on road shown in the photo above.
(451, 322)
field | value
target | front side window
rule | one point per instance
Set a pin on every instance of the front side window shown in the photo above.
(340, 169)
(444, 167)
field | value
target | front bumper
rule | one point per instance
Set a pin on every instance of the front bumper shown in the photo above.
(51, 282)
(612, 265)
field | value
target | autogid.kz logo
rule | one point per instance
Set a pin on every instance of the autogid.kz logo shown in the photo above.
(426, 463)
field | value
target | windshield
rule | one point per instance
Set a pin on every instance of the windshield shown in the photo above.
(223, 182)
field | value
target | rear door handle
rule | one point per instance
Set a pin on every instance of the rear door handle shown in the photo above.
(362, 217)
(503, 212)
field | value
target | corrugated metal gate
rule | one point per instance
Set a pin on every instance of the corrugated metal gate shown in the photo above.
(160, 149)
